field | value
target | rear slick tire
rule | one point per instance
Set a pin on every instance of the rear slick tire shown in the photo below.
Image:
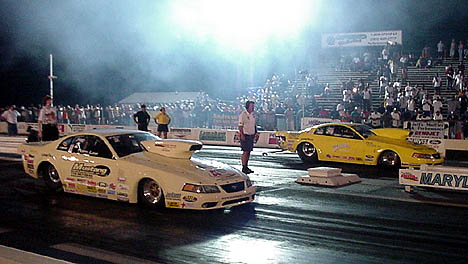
(307, 152)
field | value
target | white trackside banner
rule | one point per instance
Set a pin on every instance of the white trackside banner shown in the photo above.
(360, 39)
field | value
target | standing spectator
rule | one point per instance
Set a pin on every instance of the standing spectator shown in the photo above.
(356, 115)
(47, 121)
(463, 103)
(438, 116)
(248, 133)
(460, 51)
(437, 82)
(366, 98)
(375, 118)
(452, 120)
(289, 115)
(387, 119)
(11, 117)
(388, 103)
(453, 104)
(270, 123)
(449, 74)
(440, 49)
(396, 116)
(437, 105)
(142, 118)
(426, 107)
(163, 120)
(452, 48)
(459, 79)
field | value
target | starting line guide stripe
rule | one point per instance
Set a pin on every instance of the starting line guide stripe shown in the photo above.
(100, 254)
(9, 255)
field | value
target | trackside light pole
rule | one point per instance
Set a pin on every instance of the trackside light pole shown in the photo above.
(51, 78)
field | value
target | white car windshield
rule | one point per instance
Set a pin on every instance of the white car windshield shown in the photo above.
(364, 130)
(127, 144)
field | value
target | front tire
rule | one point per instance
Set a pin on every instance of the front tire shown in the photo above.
(51, 177)
(389, 159)
(150, 193)
(307, 152)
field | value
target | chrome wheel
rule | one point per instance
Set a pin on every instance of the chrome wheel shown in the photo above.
(390, 159)
(152, 192)
(308, 149)
(53, 174)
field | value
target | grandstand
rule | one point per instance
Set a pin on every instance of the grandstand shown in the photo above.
(416, 76)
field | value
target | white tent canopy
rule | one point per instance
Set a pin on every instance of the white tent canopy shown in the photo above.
(160, 97)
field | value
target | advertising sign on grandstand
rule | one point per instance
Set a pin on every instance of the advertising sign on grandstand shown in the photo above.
(360, 39)
(429, 133)
(312, 121)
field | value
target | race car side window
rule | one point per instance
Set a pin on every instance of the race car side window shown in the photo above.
(79, 145)
(320, 131)
(97, 148)
(65, 145)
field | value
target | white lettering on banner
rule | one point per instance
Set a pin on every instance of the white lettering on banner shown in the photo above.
(312, 121)
(360, 39)
(448, 179)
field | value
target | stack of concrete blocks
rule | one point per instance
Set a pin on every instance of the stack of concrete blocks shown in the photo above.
(326, 176)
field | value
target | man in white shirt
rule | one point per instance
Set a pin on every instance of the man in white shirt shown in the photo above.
(11, 117)
(440, 49)
(438, 116)
(375, 118)
(437, 105)
(248, 134)
(395, 118)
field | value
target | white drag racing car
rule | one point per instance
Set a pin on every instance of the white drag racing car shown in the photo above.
(135, 166)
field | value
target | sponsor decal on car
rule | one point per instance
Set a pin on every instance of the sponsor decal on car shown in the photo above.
(222, 174)
(369, 158)
(409, 176)
(80, 170)
(342, 157)
(340, 146)
(102, 195)
(122, 199)
(70, 179)
(122, 187)
(111, 192)
(82, 181)
(112, 186)
(82, 188)
(121, 194)
(92, 189)
(173, 196)
(102, 184)
(92, 183)
(100, 190)
(172, 204)
(190, 198)
(121, 179)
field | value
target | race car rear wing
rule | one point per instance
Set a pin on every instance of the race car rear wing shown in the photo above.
(173, 148)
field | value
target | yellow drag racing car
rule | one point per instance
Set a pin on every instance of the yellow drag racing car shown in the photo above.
(357, 143)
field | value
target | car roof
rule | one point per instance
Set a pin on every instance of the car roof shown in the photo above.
(336, 124)
(104, 132)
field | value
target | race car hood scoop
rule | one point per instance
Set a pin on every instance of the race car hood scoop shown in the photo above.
(172, 148)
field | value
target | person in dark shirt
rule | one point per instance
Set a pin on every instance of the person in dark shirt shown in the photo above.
(142, 119)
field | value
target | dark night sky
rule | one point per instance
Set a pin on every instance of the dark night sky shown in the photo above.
(105, 50)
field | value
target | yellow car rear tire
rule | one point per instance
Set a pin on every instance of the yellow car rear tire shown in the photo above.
(307, 152)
